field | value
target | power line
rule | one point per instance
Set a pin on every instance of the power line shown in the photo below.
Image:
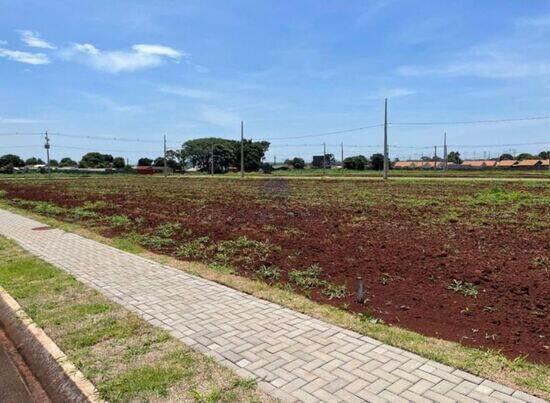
(20, 134)
(91, 137)
(326, 133)
(467, 122)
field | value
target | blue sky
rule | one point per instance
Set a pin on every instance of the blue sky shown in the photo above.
(141, 69)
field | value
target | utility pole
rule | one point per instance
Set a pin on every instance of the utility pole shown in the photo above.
(47, 147)
(212, 159)
(386, 162)
(242, 149)
(445, 155)
(435, 157)
(324, 158)
(165, 159)
(342, 153)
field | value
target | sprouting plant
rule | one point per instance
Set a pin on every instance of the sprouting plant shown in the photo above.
(168, 230)
(119, 220)
(48, 208)
(334, 291)
(489, 309)
(195, 249)
(308, 278)
(268, 273)
(463, 287)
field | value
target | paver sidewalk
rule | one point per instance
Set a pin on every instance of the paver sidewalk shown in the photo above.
(293, 356)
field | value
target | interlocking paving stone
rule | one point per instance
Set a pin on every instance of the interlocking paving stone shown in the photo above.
(293, 356)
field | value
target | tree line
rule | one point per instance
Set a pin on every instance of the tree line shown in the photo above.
(223, 155)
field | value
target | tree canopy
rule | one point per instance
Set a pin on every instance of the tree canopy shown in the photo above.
(67, 162)
(359, 162)
(377, 161)
(226, 154)
(11, 160)
(34, 161)
(454, 156)
(96, 160)
(145, 162)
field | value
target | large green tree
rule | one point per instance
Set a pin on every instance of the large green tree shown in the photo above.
(67, 162)
(377, 161)
(96, 160)
(11, 160)
(34, 161)
(223, 153)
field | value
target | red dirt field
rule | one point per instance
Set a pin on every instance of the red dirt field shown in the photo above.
(409, 241)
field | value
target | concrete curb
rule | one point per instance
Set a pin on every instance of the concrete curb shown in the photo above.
(58, 376)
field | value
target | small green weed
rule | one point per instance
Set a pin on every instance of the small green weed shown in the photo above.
(48, 208)
(308, 278)
(334, 291)
(119, 220)
(196, 249)
(271, 273)
(168, 230)
(463, 287)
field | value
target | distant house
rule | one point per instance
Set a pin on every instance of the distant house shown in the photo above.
(506, 163)
(531, 164)
(405, 164)
(479, 164)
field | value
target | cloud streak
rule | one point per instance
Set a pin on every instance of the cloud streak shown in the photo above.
(139, 57)
(24, 57)
(186, 92)
(33, 40)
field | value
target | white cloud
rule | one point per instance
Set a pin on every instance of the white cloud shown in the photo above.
(188, 92)
(33, 39)
(141, 57)
(2, 43)
(24, 57)
(158, 50)
(218, 117)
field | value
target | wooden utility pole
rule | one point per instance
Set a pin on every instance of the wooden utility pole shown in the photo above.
(435, 157)
(324, 158)
(242, 149)
(212, 159)
(445, 154)
(165, 159)
(342, 153)
(386, 162)
(47, 147)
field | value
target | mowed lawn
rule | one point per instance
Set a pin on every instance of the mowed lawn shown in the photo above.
(125, 358)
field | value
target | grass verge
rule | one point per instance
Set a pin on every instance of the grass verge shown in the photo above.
(519, 373)
(122, 355)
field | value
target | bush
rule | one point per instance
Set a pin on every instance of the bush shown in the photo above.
(298, 163)
(358, 162)
(266, 168)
